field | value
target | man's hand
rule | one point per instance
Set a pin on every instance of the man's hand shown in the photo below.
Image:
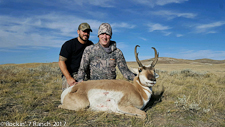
(71, 81)
(62, 65)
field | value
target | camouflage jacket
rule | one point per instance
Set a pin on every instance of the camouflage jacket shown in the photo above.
(102, 65)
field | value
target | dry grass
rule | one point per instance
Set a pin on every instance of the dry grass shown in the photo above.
(194, 96)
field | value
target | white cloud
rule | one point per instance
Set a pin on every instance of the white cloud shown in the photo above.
(157, 27)
(153, 3)
(210, 25)
(166, 33)
(101, 3)
(179, 35)
(40, 30)
(205, 54)
(117, 27)
(122, 25)
(171, 15)
(143, 38)
(191, 54)
(164, 2)
(46, 30)
(209, 28)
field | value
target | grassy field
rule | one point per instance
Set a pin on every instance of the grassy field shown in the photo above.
(194, 96)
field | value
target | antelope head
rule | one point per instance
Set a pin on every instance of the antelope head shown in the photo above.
(147, 74)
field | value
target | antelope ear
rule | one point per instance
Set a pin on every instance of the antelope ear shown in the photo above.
(156, 75)
(134, 70)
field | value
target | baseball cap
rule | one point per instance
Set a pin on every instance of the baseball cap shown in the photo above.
(105, 28)
(84, 26)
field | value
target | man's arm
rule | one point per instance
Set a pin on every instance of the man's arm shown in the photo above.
(84, 65)
(62, 65)
(122, 65)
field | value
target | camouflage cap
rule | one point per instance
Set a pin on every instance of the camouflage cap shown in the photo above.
(84, 26)
(105, 28)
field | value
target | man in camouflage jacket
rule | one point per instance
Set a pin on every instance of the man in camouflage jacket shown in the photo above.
(103, 57)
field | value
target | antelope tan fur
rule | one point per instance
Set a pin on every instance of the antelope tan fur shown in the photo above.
(117, 96)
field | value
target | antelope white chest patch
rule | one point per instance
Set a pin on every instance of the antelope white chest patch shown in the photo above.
(65, 92)
(103, 100)
(148, 92)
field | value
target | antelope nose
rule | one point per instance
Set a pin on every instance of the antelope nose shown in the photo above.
(153, 79)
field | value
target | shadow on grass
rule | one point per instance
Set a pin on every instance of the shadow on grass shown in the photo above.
(155, 99)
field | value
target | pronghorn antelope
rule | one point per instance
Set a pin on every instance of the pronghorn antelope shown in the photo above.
(114, 95)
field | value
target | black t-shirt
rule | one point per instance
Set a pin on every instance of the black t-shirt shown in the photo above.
(73, 51)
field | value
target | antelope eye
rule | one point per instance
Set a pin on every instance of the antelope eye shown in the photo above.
(140, 70)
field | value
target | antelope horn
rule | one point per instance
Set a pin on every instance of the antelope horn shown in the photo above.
(156, 58)
(136, 56)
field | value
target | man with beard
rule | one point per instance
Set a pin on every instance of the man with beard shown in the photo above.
(71, 54)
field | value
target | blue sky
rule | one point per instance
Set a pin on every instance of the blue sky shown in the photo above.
(34, 30)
